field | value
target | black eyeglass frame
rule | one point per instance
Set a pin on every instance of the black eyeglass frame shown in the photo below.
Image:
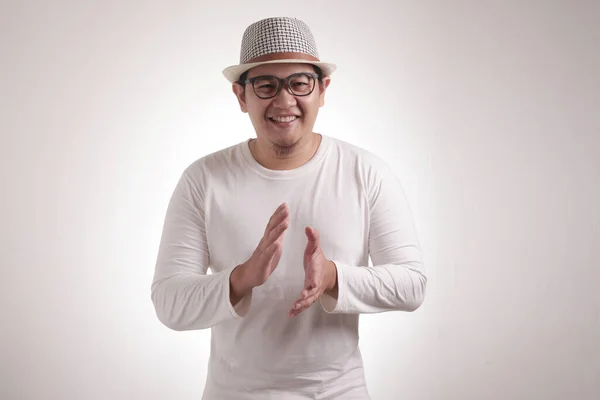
(281, 81)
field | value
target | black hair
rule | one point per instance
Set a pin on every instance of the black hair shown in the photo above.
(318, 71)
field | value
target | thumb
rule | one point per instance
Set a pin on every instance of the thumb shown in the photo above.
(313, 240)
(312, 235)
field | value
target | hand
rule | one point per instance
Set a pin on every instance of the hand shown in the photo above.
(264, 259)
(320, 274)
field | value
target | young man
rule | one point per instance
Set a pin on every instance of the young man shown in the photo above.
(286, 222)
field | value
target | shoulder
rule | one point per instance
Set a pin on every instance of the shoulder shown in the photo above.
(371, 171)
(365, 161)
(212, 170)
(215, 163)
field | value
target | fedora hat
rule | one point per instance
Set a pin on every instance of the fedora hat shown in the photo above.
(277, 40)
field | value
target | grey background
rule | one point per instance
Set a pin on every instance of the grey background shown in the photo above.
(488, 112)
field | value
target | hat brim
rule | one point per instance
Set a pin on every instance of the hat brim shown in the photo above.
(232, 73)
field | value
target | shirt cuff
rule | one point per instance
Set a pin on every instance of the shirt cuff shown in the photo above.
(241, 309)
(330, 304)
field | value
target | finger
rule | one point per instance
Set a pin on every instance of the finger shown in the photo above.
(270, 251)
(281, 206)
(312, 244)
(308, 292)
(273, 233)
(308, 301)
(276, 219)
(276, 225)
(276, 233)
(279, 209)
(269, 258)
(312, 235)
(282, 209)
(279, 214)
(295, 311)
(302, 306)
(310, 285)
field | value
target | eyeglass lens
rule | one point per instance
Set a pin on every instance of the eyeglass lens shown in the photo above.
(300, 85)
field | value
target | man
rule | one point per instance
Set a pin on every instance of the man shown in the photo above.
(286, 222)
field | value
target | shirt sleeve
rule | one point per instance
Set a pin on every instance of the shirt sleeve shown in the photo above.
(397, 279)
(185, 297)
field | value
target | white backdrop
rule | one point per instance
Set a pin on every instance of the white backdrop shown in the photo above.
(489, 112)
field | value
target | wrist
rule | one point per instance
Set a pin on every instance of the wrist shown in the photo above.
(332, 281)
(237, 280)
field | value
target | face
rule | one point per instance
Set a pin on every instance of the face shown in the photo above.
(285, 119)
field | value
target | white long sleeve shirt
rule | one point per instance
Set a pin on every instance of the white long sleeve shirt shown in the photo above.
(216, 218)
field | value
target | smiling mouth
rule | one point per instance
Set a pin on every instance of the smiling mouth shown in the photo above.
(284, 120)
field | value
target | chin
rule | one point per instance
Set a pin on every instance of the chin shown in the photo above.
(285, 138)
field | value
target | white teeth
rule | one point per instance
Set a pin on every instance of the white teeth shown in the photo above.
(284, 119)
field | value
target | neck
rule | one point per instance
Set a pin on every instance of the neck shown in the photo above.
(273, 157)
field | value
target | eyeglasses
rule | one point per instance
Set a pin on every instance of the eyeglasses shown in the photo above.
(268, 86)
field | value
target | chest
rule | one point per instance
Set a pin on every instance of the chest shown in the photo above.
(237, 218)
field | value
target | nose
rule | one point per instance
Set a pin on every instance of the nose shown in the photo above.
(284, 98)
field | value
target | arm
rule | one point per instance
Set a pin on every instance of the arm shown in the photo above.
(184, 296)
(397, 279)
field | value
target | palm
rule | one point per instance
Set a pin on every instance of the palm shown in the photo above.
(313, 271)
(315, 274)
(313, 264)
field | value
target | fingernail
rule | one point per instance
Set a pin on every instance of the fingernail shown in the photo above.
(297, 306)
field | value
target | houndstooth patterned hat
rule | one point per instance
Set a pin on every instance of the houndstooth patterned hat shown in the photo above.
(277, 40)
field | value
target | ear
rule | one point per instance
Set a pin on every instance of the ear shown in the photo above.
(240, 94)
(322, 88)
